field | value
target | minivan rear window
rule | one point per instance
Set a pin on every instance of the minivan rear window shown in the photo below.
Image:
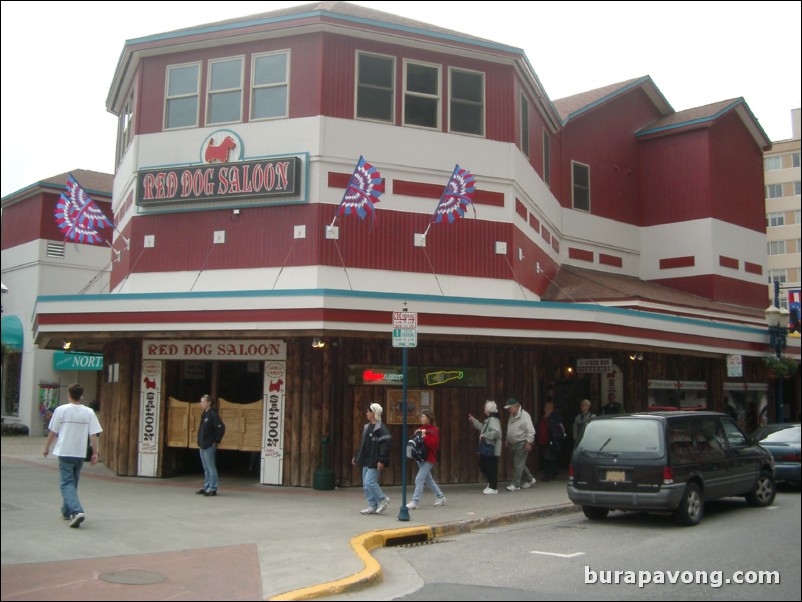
(612, 438)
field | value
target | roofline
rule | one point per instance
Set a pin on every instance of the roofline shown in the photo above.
(738, 103)
(646, 79)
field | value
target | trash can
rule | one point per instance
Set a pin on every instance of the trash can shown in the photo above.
(323, 479)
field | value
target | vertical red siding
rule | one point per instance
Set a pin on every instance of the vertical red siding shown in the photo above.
(605, 140)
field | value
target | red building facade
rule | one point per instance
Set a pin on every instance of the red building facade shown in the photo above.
(607, 225)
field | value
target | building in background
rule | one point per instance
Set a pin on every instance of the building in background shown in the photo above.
(783, 215)
(39, 259)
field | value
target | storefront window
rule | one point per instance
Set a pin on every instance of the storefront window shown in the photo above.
(12, 373)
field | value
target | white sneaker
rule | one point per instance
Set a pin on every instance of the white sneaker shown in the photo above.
(368, 510)
(383, 505)
(441, 501)
(412, 505)
(528, 484)
(77, 519)
(513, 487)
(489, 491)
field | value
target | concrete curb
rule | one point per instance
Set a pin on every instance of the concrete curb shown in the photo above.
(364, 544)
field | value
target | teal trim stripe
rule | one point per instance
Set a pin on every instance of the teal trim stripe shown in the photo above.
(401, 298)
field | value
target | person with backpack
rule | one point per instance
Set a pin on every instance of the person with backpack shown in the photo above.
(550, 437)
(210, 434)
(431, 440)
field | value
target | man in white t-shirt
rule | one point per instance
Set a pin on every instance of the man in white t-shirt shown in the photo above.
(70, 427)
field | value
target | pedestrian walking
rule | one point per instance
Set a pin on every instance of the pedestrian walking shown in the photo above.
(210, 434)
(612, 406)
(373, 456)
(520, 440)
(582, 418)
(489, 433)
(431, 438)
(72, 427)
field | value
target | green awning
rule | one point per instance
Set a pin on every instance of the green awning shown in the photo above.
(12, 333)
(68, 360)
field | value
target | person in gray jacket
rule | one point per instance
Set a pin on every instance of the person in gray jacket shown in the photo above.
(582, 418)
(490, 431)
(520, 440)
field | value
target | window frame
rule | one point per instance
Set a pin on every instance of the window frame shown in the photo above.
(358, 86)
(466, 102)
(257, 87)
(775, 247)
(774, 191)
(547, 160)
(438, 97)
(775, 219)
(125, 125)
(524, 125)
(575, 186)
(773, 163)
(224, 91)
(168, 98)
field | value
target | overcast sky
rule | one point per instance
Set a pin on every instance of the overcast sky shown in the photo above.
(58, 59)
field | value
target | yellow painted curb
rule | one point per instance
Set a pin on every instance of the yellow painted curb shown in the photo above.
(371, 573)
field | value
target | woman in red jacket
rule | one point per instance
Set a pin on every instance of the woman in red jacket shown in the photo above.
(431, 437)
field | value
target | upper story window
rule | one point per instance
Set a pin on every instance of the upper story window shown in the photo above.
(181, 102)
(772, 163)
(780, 276)
(467, 106)
(776, 247)
(270, 86)
(524, 125)
(794, 159)
(374, 88)
(775, 219)
(774, 191)
(547, 159)
(125, 127)
(422, 95)
(225, 91)
(580, 184)
(797, 188)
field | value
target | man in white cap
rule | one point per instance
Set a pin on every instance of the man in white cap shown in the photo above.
(373, 456)
(520, 439)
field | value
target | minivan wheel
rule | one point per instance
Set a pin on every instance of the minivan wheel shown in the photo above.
(595, 512)
(691, 507)
(764, 491)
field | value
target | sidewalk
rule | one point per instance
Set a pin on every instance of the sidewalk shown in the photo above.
(154, 539)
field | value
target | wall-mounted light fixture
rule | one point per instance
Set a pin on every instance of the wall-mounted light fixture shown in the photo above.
(67, 345)
(318, 343)
(636, 356)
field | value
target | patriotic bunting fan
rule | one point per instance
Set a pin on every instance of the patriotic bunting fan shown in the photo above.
(363, 192)
(456, 197)
(78, 216)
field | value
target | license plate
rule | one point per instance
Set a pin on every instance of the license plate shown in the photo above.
(617, 476)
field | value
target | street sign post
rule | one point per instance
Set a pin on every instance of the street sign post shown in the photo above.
(405, 335)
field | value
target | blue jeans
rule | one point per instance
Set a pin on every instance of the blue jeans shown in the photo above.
(69, 473)
(424, 477)
(209, 468)
(370, 482)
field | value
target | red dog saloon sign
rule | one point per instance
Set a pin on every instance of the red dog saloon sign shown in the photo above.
(251, 179)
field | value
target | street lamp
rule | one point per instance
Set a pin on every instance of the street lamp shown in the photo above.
(777, 318)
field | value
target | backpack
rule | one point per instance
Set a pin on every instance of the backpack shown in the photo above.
(416, 448)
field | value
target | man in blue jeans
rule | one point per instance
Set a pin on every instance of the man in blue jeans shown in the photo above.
(71, 426)
(373, 456)
(210, 434)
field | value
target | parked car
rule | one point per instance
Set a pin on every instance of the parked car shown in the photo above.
(666, 462)
(783, 441)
